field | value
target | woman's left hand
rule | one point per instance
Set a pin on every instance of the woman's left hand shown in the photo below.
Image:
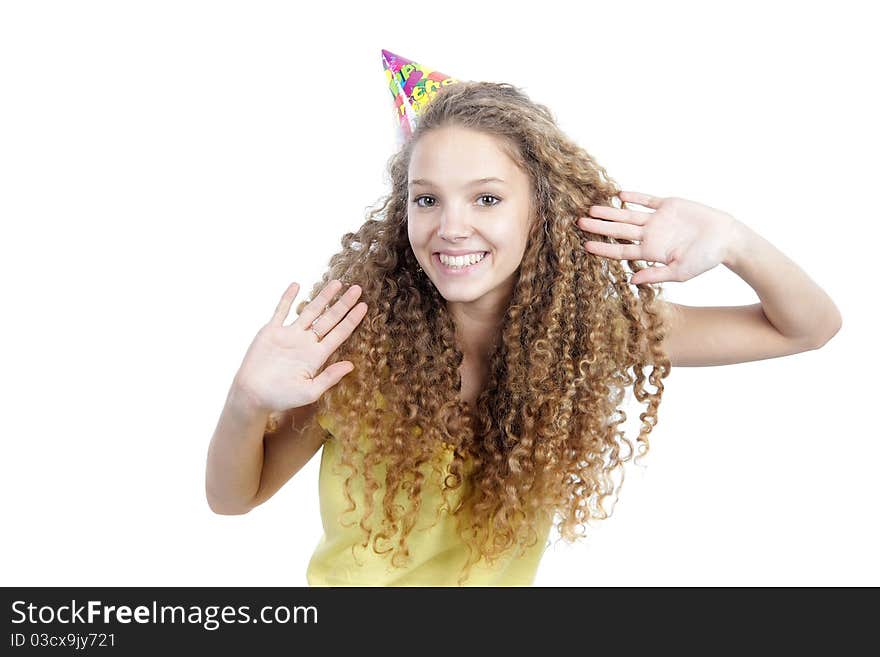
(688, 237)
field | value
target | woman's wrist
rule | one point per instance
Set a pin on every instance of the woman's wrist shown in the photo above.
(242, 402)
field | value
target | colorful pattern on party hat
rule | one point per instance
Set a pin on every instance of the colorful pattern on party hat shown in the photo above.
(412, 86)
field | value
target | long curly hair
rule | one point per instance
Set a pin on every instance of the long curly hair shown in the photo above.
(543, 437)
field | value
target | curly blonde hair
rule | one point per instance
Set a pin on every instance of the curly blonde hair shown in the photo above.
(543, 438)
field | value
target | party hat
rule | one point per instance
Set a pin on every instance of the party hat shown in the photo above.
(412, 86)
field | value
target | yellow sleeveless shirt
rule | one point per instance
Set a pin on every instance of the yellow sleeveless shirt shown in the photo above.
(437, 553)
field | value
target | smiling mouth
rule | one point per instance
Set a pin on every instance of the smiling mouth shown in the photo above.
(453, 270)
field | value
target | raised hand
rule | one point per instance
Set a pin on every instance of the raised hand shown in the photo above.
(280, 368)
(688, 237)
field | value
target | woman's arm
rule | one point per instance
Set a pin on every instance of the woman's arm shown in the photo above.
(795, 314)
(701, 336)
(245, 465)
(797, 307)
(279, 371)
(235, 455)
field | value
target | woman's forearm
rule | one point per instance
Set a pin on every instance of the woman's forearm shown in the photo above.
(235, 455)
(791, 301)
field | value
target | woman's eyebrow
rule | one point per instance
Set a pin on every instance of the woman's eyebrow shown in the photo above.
(478, 181)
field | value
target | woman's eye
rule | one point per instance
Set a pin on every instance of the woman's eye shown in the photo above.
(495, 202)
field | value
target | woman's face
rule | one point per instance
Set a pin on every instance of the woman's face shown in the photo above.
(451, 212)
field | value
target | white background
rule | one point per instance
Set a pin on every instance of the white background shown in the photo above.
(168, 168)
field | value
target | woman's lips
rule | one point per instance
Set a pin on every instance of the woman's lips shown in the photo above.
(463, 271)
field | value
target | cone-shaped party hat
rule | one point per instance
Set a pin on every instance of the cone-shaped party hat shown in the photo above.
(412, 86)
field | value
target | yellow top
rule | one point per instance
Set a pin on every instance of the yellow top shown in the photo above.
(436, 552)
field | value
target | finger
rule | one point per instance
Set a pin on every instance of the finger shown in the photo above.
(611, 228)
(617, 251)
(618, 214)
(653, 275)
(331, 376)
(318, 304)
(641, 199)
(343, 329)
(284, 305)
(329, 319)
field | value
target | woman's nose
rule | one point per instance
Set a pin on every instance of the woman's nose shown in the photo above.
(453, 225)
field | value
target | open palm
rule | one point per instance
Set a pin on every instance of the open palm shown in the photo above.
(688, 237)
(280, 369)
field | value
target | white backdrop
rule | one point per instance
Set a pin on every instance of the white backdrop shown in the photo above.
(168, 168)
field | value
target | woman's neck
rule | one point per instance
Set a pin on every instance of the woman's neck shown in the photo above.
(476, 331)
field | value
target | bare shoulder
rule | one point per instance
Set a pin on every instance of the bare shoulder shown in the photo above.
(669, 315)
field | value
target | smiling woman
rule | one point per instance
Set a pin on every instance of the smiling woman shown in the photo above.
(493, 333)
(480, 400)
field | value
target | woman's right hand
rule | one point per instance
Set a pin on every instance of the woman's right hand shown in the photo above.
(280, 368)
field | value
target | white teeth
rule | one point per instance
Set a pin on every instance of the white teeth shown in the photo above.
(461, 261)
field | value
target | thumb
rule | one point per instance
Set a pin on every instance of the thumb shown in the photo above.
(332, 375)
(652, 275)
